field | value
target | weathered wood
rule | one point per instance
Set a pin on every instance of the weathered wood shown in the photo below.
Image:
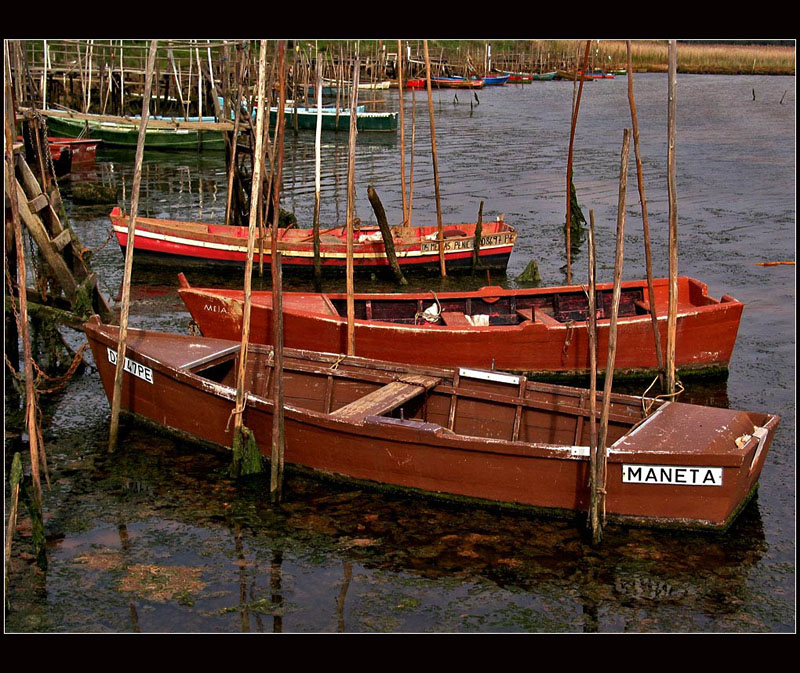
(645, 222)
(386, 232)
(435, 161)
(599, 493)
(128, 269)
(384, 399)
(278, 430)
(673, 218)
(351, 196)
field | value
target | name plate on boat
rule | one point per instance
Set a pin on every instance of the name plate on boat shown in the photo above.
(672, 475)
(144, 373)
(468, 242)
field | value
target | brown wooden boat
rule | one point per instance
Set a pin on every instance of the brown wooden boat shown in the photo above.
(540, 331)
(474, 435)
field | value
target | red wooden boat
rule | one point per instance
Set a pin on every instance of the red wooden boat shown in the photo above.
(416, 248)
(540, 331)
(71, 153)
(470, 435)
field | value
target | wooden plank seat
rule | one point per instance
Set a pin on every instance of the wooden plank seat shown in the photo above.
(386, 398)
(455, 319)
(541, 316)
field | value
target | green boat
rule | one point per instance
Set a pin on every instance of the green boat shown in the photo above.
(365, 121)
(161, 134)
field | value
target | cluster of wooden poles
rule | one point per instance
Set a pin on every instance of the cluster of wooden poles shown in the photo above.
(597, 445)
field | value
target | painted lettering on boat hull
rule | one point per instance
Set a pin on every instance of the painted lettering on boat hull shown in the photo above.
(144, 373)
(672, 475)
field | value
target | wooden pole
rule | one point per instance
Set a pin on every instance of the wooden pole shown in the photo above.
(126, 280)
(251, 236)
(386, 233)
(351, 173)
(599, 493)
(402, 131)
(317, 178)
(435, 162)
(24, 333)
(476, 246)
(645, 224)
(235, 139)
(277, 459)
(568, 226)
(594, 508)
(673, 221)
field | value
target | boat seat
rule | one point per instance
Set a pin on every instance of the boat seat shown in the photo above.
(455, 319)
(525, 314)
(541, 316)
(386, 398)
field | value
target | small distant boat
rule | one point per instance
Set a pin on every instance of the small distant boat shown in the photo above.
(123, 132)
(333, 120)
(536, 331)
(496, 79)
(480, 437)
(416, 248)
(69, 154)
(544, 76)
(457, 83)
(519, 77)
(597, 73)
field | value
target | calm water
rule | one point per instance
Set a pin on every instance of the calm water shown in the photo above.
(157, 538)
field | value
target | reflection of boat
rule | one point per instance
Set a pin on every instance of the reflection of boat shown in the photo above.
(467, 434)
(165, 134)
(535, 330)
(416, 248)
(333, 120)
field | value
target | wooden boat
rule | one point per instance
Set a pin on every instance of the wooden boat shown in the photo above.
(544, 76)
(470, 435)
(496, 79)
(161, 134)
(416, 248)
(306, 118)
(457, 83)
(597, 73)
(565, 74)
(69, 153)
(538, 331)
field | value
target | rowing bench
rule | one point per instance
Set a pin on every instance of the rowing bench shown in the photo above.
(386, 398)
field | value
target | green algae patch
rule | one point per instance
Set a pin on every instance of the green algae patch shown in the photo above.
(162, 583)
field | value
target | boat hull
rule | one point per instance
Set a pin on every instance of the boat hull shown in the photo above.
(126, 135)
(422, 455)
(543, 346)
(164, 241)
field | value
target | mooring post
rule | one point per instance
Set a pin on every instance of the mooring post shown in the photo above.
(277, 456)
(599, 493)
(594, 506)
(568, 225)
(11, 192)
(645, 224)
(241, 436)
(126, 280)
(476, 246)
(442, 267)
(351, 177)
(317, 173)
(673, 219)
(386, 233)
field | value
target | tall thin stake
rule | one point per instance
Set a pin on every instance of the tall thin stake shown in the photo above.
(568, 226)
(126, 280)
(276, 462)
(673, 221)
(594, 509)
(402, 131)
(351, 173)
(317, 178)
(255, 198)
(599, 494)
(435, 162)
(24, 333)
(645, 224)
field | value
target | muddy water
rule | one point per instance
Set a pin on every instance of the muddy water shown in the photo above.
(158, 538)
